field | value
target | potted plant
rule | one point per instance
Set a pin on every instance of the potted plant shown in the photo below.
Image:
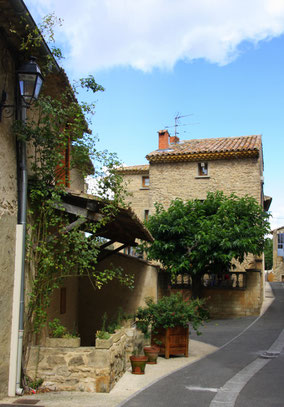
(59, 336)
(169, 320)
(152, 353)
(138, 361)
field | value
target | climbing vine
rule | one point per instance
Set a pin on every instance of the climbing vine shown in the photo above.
(55, 125)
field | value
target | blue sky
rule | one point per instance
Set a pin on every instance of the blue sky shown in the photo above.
(221, 62)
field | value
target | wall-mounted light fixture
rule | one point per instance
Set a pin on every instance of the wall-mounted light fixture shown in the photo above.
(29, 80)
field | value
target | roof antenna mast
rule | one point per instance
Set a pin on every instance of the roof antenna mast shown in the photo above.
(177, 123)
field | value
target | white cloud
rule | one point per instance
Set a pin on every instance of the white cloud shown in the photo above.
(277, 219)
(145, 34)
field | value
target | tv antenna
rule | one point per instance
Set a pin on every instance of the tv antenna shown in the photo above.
(177, 123)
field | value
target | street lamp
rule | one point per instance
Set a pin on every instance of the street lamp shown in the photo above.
(30, 81)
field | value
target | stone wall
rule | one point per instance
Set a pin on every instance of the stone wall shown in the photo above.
(77, 181)
(90, 369)
(8, 214)
(230, 303)
(171, 180)
(236, 303)
(180, 179)
(139, 198)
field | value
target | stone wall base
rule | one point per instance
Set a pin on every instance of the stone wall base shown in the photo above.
(90, 369)
(230, 303)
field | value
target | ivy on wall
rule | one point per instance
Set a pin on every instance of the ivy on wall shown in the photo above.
(56, 132)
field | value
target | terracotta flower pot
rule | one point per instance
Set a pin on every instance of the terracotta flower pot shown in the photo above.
(152, 353)
(138, 364)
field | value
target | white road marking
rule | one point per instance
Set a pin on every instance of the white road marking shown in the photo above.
(228, 394)
(197, 388)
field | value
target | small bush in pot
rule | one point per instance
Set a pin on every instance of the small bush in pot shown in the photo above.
(57, 330)
(169, 314)
(138, 361)
(171, 311)
(152, 353)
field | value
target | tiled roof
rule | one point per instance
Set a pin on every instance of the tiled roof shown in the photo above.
(211, 146)
(134, 169)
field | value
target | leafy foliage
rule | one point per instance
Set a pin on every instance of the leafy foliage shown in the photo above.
(57, 330)
(169, 312)
(116, 323)
(205, 236)
(268, 253)
(56, 128)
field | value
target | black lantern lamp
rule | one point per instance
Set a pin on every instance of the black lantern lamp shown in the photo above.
(30, 81)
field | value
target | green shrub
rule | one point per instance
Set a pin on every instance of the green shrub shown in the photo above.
(169, 312)
(57, 330)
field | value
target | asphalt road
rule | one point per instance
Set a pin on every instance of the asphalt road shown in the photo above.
(247, 370)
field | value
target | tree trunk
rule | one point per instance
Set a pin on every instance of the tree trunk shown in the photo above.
(196, 288)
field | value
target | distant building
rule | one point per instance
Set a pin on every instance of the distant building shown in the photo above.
(189, 169)
(278, 254)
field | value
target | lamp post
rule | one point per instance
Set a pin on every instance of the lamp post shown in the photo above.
(29, 84)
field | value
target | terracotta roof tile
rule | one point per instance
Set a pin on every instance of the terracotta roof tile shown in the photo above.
(134, 168)
(211, 145)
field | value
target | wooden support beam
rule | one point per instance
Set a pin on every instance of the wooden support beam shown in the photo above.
(75, 224)
(78, 211)
(103, 246)
(111, 252)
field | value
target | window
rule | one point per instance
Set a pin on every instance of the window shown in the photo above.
(202, 169)
(146, 214)
(280, 251)
(145, 181)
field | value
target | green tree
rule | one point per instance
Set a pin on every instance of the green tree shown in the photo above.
(268, 253)
(196, 236)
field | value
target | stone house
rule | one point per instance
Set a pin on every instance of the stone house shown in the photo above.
(125, 228)
(278, 254)
(188, 169)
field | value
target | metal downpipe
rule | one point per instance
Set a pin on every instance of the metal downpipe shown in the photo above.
(22, 219)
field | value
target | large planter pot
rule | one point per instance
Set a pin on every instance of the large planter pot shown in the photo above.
(172, 341)
(152, 353)
(138, 364)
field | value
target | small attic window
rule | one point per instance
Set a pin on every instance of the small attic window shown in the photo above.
(202, 169)
(145, 181)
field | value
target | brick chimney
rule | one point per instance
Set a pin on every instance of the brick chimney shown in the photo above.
(174, 139)
(163, 139)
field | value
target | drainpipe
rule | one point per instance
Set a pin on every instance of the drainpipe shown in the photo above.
(22, 220)
(17, 328)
